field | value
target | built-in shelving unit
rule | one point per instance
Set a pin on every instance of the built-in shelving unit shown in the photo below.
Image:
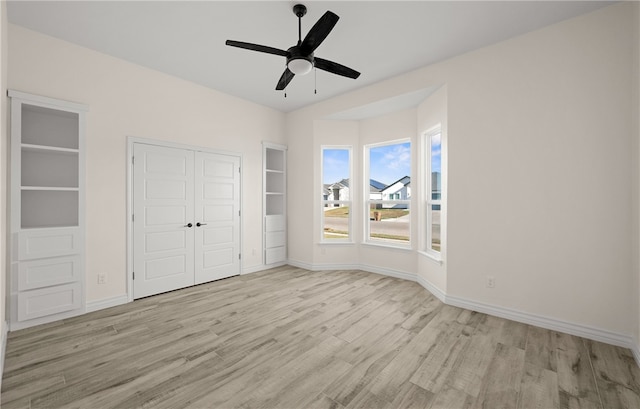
(274, 202)
(47, 209)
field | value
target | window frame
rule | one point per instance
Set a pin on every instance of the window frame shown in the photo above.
(367, 201)
(428, 192)
(331, 203)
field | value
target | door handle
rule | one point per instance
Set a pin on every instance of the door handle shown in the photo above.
(200, 224)
(188, 225)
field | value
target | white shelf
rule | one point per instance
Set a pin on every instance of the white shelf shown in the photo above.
(51, 189)
(45, 148)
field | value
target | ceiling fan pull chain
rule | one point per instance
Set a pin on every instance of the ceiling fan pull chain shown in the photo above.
(315, 80)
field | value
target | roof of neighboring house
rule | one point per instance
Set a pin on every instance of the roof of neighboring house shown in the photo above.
(405, 180)
(343, 182)
(376, 186)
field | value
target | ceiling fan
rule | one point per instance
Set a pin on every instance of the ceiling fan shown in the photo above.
(300, 58)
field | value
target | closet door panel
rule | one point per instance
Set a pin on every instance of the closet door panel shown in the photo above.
(163, 210)
(217, 204)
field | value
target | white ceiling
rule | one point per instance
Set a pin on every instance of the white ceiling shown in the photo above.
(381, 39)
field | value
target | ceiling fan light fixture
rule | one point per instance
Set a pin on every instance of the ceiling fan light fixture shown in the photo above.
(300, 66)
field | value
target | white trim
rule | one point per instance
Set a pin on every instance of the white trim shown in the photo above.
(366, 198)
(432, 257)
(349, 203)
(131, 141)
(3, 346)
(635, 349)
(584, 331)
(254, 269)
(273, 145)
(44, 101)
(381, 243)
(364, 267)
(438, 293)
(428, 191)
(107, 303)
(389, 272)
(300, 264)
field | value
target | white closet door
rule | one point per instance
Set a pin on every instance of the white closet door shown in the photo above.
(163, 205)
(217, 204)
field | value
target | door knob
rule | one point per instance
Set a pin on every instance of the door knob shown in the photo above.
(200, 224)
(189, 225)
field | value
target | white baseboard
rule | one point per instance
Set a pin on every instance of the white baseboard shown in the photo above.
(635, 349)
(253, 269)
(438, 293)
(307, 266)
(387, 272)
(364, 267)
(5, 332)
(107, 303)
(584, 331)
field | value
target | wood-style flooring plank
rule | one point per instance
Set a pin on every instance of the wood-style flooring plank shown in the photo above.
(293, 338)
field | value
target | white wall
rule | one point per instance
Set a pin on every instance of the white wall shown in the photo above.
(128, 100)
(539, 139)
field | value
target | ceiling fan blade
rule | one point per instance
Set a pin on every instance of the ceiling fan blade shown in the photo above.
(335, 68)
(319, 32)
(285, 79)
(257, 47)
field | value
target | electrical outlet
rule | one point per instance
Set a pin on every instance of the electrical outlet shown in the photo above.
(102, 279)
(491, 281)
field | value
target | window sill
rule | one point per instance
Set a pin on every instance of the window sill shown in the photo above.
(336, 243)
(387, 246)
(437, 259)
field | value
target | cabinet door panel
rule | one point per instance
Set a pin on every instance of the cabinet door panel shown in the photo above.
(48, 301)
(34, 244)
(48, 272)
(274, 223)
(275, 255)
(274, 239)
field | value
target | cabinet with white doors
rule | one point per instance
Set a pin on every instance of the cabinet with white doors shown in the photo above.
(274, 190)
(46, 279)
(186, 217)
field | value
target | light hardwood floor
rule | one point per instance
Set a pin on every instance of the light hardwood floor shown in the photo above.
(291, 338)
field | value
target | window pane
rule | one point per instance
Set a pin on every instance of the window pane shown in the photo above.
(436, 167)
(335, 174)
(390, 164)
(336, 222)
(389, 223)
(435, 227)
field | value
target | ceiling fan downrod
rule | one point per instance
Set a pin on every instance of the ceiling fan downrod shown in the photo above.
(299, 10)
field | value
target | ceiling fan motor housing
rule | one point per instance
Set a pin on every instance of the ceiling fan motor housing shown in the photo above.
(299, 10)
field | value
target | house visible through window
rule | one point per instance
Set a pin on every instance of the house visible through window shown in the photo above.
(433, 144)
(336, 197)
(388, 169)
